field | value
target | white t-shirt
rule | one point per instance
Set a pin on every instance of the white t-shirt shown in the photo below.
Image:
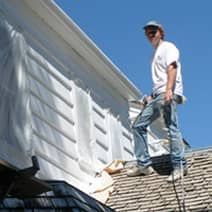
(165, 54)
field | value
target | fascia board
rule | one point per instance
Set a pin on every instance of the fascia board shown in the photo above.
(84, 46)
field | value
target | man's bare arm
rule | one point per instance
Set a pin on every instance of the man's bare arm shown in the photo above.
(171, 78)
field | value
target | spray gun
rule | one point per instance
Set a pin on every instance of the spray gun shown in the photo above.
(142, 102)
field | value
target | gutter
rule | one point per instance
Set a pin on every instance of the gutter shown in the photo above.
(65, 26)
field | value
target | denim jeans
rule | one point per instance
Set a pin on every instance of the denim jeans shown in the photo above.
(150, 113)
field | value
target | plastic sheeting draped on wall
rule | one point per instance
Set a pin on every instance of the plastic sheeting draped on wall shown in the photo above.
(15, 130)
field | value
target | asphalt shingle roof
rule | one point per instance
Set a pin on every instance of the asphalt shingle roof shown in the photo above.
(154, 193)
(63, 198)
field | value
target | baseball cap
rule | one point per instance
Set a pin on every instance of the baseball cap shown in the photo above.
(153, 24)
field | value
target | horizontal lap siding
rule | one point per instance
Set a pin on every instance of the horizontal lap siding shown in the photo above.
(75, 112)
(111, 139)
(70, 141)
(54, 137)
(100, 133)
(61, 160)
(53, 121)
(126, 143)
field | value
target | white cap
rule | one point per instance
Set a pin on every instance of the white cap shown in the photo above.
(152, 23)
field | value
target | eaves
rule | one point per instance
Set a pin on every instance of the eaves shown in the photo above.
(84, 46)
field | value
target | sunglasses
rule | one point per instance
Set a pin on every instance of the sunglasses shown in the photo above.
(152, 33)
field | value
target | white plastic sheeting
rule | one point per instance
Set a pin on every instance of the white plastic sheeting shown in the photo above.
(75, 126)
(15, 130)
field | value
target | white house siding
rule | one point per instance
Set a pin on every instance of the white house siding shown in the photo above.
(79, 117)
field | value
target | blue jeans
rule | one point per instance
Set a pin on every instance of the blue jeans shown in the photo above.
(150, 113)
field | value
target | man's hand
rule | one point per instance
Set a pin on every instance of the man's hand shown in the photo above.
(148, 99)
(168, 96)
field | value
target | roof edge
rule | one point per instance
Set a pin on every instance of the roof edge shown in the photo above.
(199, 150)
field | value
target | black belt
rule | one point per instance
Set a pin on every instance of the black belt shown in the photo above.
(176, 97)
(154, 95)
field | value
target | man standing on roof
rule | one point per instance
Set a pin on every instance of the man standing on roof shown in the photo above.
(167, 93)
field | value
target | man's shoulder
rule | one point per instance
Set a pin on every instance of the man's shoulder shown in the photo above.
(168, 44)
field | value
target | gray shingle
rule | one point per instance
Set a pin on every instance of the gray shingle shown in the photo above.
(153, 193)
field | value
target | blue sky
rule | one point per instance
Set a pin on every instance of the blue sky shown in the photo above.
(116, 28)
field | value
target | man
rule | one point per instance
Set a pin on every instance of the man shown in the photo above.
(167, 93)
